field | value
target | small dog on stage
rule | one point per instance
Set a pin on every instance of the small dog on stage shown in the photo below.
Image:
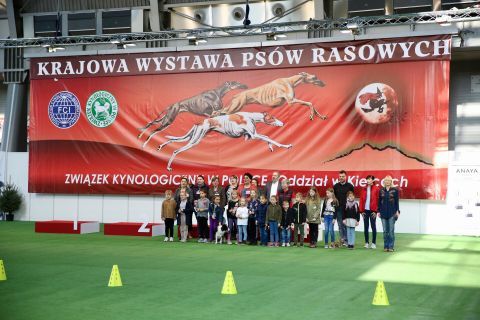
(220, 234)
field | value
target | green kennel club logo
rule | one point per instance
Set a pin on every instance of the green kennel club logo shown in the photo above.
(102, 109)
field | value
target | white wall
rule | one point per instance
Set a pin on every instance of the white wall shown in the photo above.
(418, 216)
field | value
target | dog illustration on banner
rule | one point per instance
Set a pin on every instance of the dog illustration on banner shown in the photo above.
(233, 125)
(275, 94)
(203, 104)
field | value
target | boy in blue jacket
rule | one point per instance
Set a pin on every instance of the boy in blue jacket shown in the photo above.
(260, 216)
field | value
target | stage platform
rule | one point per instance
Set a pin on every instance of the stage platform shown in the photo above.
(67, 226)
(134, 229)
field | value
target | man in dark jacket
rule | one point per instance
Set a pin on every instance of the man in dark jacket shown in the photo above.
(341, 188)
(273, 188)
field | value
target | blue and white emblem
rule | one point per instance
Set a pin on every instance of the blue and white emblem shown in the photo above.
(64, 110)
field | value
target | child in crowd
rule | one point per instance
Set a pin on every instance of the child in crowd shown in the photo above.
(231, 215)
(299, 218)
(286, 223)
(251, 227)
(256, 186)
(329, 215)
(247, 187)
(274, 217)
(233, 185)
(351, 218)
(168, 214)
(185, 208)
(260, 216)
(215, 214)
(202, 205)
(217, 190)
(313, 215)
(242, 220)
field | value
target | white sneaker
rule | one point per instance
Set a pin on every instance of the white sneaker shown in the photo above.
(373, 246)
(166, 239)
(288, 244)
(283, 244)
(326, 246)
(366, 246)
(200, 240)
(171, 239)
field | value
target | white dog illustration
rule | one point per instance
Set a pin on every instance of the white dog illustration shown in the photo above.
(233, 125)
(102, 109)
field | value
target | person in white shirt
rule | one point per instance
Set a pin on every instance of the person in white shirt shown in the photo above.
(272, 188)
(242, 221)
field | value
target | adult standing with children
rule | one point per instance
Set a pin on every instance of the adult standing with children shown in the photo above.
(247, 186)
(341, 188)
(388, 211)
(232, 185)
(200, 185)
(272, 188)
(216, 190)
(183, 187)
(258, 187)
(285, 194)
(368, 209)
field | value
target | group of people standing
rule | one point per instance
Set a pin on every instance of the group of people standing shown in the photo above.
(270, 214)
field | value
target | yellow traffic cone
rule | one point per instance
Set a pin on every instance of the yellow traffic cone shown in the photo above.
(380, 297)
(3, 275)
(115, 279)
(229, 284)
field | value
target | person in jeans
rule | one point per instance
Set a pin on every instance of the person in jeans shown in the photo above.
(368, 209)
(329, 215)
(252, 225)
(286, 223)
(260, 217)
(341, 188)
(351, 218)
(388, 211)
(274, 217)
(299, 219)
(242, 220)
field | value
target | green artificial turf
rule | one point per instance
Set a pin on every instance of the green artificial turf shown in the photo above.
(53, 276)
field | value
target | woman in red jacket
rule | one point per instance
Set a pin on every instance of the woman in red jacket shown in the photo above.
(368, 209)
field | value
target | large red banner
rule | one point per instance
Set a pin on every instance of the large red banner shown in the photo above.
(122, 130)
